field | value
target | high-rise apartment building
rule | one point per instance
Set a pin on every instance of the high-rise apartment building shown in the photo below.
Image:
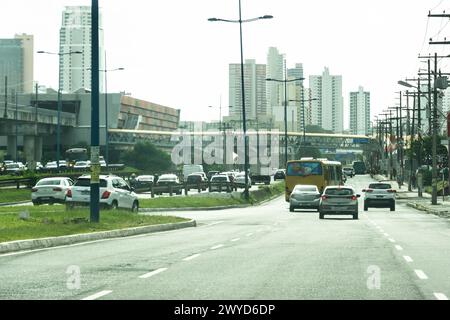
(16, 63)
(296, 72)
(360, 112)
(75, 35)
(255, 89)
(274, 70)
(327, 110)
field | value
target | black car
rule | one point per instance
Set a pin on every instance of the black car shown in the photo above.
(142, 183)
(194, 180)
(279, 175)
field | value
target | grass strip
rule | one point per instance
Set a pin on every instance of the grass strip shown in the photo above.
(14, 195)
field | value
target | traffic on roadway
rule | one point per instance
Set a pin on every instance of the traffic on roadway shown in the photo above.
(258, 252)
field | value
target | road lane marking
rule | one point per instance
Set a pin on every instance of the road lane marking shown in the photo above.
(235, 239)
(214, 223)
(249, 234)
(217, 247)
(98, 295)
(191, 257)
(440, 296)
(398, 247)
(391, 240)
(421, 274)
(385, 234)
(408, 258)
(150, 274)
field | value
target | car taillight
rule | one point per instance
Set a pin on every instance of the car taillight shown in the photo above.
(390, 190)
(57, 189)
(369, 190)
(34, 190)
(354, 198)
(324, 197)
(69, 193)
(106, 194)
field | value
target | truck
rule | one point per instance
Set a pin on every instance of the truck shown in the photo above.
(260, 174)
(191, 168)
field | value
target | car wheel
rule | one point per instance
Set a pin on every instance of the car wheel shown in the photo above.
(35, 203)
(69, 206)
(366, 207)
(135, 207)
(355, 216)
(291, 209)
(114, 205)
(321, 215)
(393, 207)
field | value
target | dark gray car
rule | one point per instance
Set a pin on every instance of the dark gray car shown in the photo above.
(339, 200)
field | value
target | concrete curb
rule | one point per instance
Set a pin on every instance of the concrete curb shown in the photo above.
(5, 204)
(418, 206)
(207, 208)
(31, 244)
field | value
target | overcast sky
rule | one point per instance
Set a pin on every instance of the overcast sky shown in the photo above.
(175, 57)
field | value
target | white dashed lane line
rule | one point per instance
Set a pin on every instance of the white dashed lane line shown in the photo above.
(150, 274)
(440, 296)
(217, 247)
(398, 247)
(98, 295)
(249, 234)
(385, 234)
(391, 240)
(191, 257)
(408, 258)
(421, 274)
(235, 239)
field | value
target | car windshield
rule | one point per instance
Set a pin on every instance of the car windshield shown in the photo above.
(304, 168)
(305, 189)
(49, 183)
(383, 186)
(339, 192)
(86, 182)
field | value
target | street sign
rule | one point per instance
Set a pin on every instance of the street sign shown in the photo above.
(360, 140)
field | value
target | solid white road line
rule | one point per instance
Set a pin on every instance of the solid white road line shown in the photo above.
(98, 295)
(235, 239)
(421, 274)
(249, 234)
(408, 258)
(217, 247)
(385, 234)
(391, 240)
(440, 296)
(148, 275)
(398, 247)
(214, 223)
(191, 257)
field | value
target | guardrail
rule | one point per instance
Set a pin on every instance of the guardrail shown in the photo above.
(28, 182)
(199, 187)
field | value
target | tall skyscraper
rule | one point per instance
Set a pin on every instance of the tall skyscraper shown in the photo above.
(327, 111)
(75, 35)
(255, 89)
(360, 112)
(296, 72)
(16, 63)
(274, 70)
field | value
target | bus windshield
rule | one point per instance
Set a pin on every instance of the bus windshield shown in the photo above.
(304, 168)
(76, 154)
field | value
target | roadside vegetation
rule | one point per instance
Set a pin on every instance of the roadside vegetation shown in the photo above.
(14, 195)
(19, 223)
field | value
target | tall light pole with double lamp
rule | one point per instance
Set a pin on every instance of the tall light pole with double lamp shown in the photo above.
(58, 129)
(244, 126)
(285, 81)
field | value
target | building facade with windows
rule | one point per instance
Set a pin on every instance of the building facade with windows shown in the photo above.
(360, 112)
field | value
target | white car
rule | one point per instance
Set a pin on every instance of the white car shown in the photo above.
(239, 180)
(114, 193)
(51, 165)
(379, 195)
(220, 182)
(50, 190)
(81, 165)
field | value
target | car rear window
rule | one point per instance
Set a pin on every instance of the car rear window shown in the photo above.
(306, 188)
(380, 186)
(219, 179)
(49, 183)
(85, 182)
(339, 192)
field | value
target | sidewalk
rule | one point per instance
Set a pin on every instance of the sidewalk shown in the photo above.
(423, 203)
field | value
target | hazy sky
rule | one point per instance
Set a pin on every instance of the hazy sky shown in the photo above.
(175, 57)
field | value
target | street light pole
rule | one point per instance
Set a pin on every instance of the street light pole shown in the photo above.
(434, 125)
(244, 126)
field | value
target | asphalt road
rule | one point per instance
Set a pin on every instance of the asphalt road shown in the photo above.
(263, 252)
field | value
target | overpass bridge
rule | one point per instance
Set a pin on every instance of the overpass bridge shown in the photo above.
(168, 140)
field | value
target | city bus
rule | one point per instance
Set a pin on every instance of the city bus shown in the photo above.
(76, 154)
(359, 167)
(318, 172)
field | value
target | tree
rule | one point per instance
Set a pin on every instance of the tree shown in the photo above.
(308, 152)
(147, 157)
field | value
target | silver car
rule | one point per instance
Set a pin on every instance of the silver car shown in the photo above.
(304, 197)
(380, 195)
(339, 200)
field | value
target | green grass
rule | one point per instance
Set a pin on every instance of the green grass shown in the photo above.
(14, 195)
(256, 196)
(51, 221)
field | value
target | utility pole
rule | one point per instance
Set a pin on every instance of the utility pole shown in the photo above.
(5, 113)
(434, 162)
